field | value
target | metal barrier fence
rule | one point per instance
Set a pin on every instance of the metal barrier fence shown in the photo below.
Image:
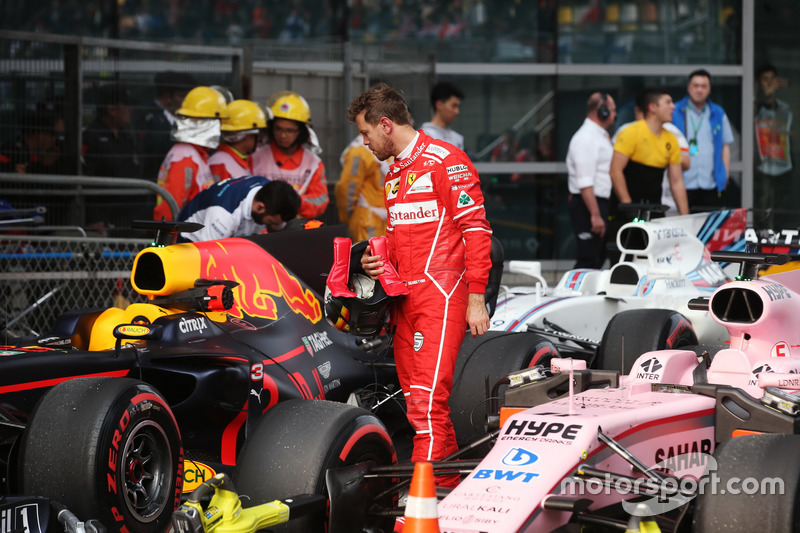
(105, 206)
(41, 277)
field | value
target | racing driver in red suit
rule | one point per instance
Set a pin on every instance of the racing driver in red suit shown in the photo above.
(439, 240)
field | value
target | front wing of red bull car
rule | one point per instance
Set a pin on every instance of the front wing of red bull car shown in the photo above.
(702, 439)
(175, 387)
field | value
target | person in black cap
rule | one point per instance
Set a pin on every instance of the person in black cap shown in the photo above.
(109, 146)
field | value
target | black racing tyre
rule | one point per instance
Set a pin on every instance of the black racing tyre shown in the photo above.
(295, 443)
(762, 465)
(108, 449)
(494, 354)
(631, 333)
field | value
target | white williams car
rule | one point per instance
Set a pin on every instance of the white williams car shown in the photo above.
(664, 264)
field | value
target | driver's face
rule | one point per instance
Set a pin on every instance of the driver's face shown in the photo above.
(375, 138)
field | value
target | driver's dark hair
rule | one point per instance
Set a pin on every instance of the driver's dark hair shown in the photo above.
(380, 101)
(279, 198)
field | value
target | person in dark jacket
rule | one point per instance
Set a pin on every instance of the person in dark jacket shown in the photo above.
(154, 123)
(109, 146)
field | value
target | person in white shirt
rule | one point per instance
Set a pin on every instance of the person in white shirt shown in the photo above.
(588, 164)
(446, 102)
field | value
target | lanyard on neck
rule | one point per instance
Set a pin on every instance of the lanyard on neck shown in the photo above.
(695, 127)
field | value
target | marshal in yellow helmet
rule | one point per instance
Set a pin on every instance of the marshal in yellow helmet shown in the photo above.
(244, 115)
(289, 105)
(203, 102)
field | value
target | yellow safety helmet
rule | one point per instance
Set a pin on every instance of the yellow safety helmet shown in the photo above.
(244, 115)
(289, 105)
(225, 92)
(203, 102)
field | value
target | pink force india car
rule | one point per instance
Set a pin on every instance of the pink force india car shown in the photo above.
(663, 264)
(691, 439)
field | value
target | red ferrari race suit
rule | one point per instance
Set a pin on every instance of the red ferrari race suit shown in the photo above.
(440, 241)
(227, 162)
(184, 172)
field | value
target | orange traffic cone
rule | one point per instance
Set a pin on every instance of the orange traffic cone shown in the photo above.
(421, 513)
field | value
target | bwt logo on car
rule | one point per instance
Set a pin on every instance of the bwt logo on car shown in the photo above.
(187, 325)
(519, 457)
(505, 475)
(516, 457)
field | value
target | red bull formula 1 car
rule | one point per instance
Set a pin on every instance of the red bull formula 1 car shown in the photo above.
(116, 413)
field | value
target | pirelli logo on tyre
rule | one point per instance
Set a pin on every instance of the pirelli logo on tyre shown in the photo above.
(414, 213)
(455, 169)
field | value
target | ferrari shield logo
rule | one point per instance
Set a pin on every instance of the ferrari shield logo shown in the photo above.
(412, 177)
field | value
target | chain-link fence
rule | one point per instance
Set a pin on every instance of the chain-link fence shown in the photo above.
(96, 107)
(329, 75)
(56, 92)
(43, 276)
